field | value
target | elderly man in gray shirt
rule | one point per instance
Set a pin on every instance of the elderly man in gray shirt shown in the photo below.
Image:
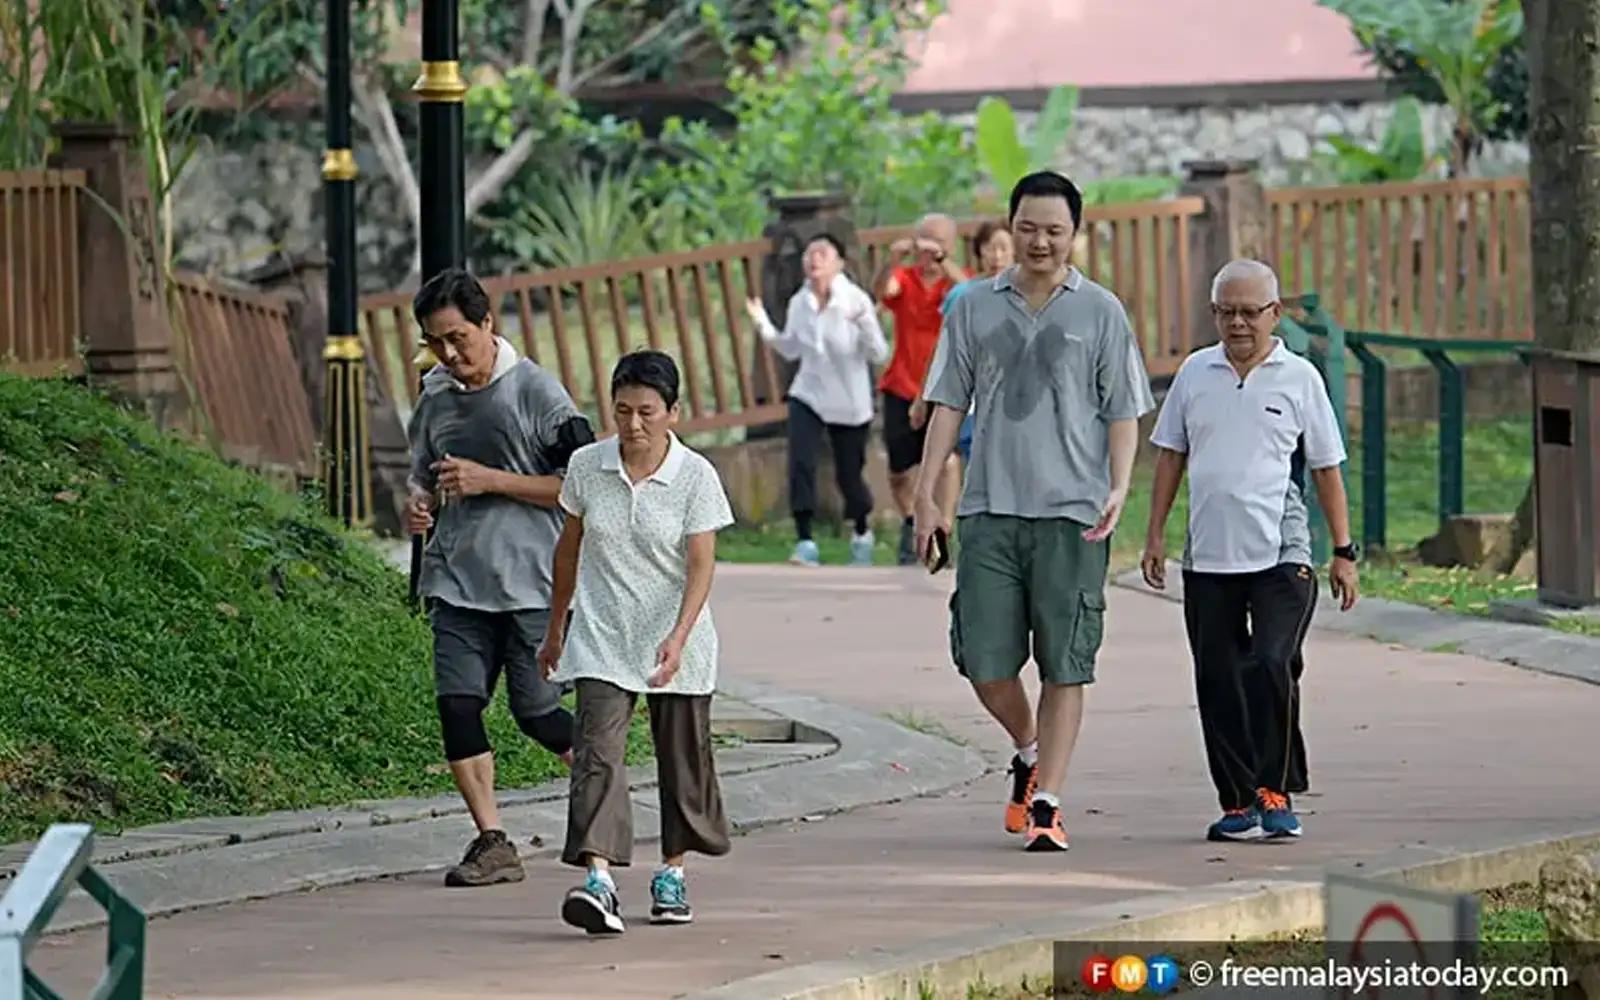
(1049, 362)
(490, 438)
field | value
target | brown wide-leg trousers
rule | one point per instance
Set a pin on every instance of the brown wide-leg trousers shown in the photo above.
(599, 814)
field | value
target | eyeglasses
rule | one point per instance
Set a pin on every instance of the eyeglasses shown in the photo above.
(1247, 313)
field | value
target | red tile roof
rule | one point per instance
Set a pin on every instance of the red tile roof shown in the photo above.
(991, 45)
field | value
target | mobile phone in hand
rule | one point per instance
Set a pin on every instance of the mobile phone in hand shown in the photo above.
(938, 555)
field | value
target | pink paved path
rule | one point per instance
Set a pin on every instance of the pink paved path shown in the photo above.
(1406, 748)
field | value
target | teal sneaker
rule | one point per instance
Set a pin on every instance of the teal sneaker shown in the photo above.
(861, 549)
(806, 554)
(1236, 824)
(669, 899)
(594, 906)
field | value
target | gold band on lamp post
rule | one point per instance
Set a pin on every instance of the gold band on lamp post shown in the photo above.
(347, 463)
(441, 82)
(339, 165)
(344, 348)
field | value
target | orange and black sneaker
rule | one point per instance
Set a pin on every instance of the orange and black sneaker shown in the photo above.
(1024, 777)
(1044, 828)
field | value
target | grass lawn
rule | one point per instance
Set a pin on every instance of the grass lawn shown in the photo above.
(179, 639)
(1499, 462)
(1511, 932)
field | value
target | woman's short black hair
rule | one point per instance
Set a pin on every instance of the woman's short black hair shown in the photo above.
(832, 241)
(453, 286)
(650, 370)
(1048, 184)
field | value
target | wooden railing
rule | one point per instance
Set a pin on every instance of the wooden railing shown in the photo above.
(1140, 251)
(234, 347)
(39, 317)
(578, 321)
(1435, 259)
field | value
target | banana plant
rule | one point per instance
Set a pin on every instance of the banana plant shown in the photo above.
(1402, 154)
(1001, 150)
(1456, 42)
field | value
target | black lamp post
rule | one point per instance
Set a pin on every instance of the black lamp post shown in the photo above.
(442, 170)
(347, 472)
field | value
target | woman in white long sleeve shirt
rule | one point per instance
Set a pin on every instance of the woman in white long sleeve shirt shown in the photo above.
(832, 330)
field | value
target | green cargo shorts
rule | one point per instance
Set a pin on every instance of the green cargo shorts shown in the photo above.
(1020, 578)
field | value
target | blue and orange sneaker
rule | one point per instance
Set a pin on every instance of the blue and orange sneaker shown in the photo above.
(1278, 821)
(1236, 824)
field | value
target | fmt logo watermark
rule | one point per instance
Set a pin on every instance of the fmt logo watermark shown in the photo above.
(1157, 974)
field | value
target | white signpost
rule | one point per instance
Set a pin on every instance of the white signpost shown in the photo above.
(1374, 924)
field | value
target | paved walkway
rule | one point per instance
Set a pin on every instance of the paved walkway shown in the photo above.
(1406, 749)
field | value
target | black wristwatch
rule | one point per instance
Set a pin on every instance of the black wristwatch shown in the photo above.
(1346, 552)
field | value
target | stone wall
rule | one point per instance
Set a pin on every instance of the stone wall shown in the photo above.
(238, 203)
(1118, 142)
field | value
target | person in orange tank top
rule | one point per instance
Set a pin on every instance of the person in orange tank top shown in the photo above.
(911, 285)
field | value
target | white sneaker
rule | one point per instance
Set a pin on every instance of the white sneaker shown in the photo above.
(806, 554)
(861, 549)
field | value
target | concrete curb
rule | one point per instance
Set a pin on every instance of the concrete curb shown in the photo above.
(1007, 953)
(1532, 647)
(791, 742)
(876, 761)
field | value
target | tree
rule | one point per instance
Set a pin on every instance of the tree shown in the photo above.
(1456, 42)
(821, 119)
(112, 61)
(1563, 43)
(1508, 81)
(527, 62)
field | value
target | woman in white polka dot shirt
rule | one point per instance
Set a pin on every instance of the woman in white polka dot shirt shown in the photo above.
(635, 563)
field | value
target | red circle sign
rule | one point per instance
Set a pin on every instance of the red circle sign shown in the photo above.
(1384, 913)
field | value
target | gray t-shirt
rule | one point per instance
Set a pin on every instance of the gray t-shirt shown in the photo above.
(1043, 388)
(490, 552)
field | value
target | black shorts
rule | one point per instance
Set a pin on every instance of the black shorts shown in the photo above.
(904, 444)
(471, 649)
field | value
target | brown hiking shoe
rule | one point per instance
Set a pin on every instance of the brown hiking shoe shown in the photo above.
(490, 859)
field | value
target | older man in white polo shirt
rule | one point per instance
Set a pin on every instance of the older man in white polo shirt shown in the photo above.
(1235, 416)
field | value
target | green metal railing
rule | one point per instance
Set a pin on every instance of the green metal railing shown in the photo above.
(1312, 332)
(60, 861)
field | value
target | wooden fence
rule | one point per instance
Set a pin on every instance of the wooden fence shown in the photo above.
(1140, 251)
(578, 321)
(1435, 259)
(39, 319)
(1431, 259)
(234, 346)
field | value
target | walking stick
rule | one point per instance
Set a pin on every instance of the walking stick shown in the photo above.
(423, 362)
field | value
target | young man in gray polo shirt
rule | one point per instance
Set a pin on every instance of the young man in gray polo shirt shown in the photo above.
(490, 438)
(1049, 362)
(1235, 417)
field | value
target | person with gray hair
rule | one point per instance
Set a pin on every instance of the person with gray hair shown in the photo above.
(1238, 417)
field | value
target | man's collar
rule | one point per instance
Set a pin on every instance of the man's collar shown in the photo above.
(1008, 278)
(611, 458)
(1277, 356)
(505, 359)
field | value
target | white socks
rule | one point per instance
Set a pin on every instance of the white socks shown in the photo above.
(1029, 753)
(604, 875)
(1055, 803)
